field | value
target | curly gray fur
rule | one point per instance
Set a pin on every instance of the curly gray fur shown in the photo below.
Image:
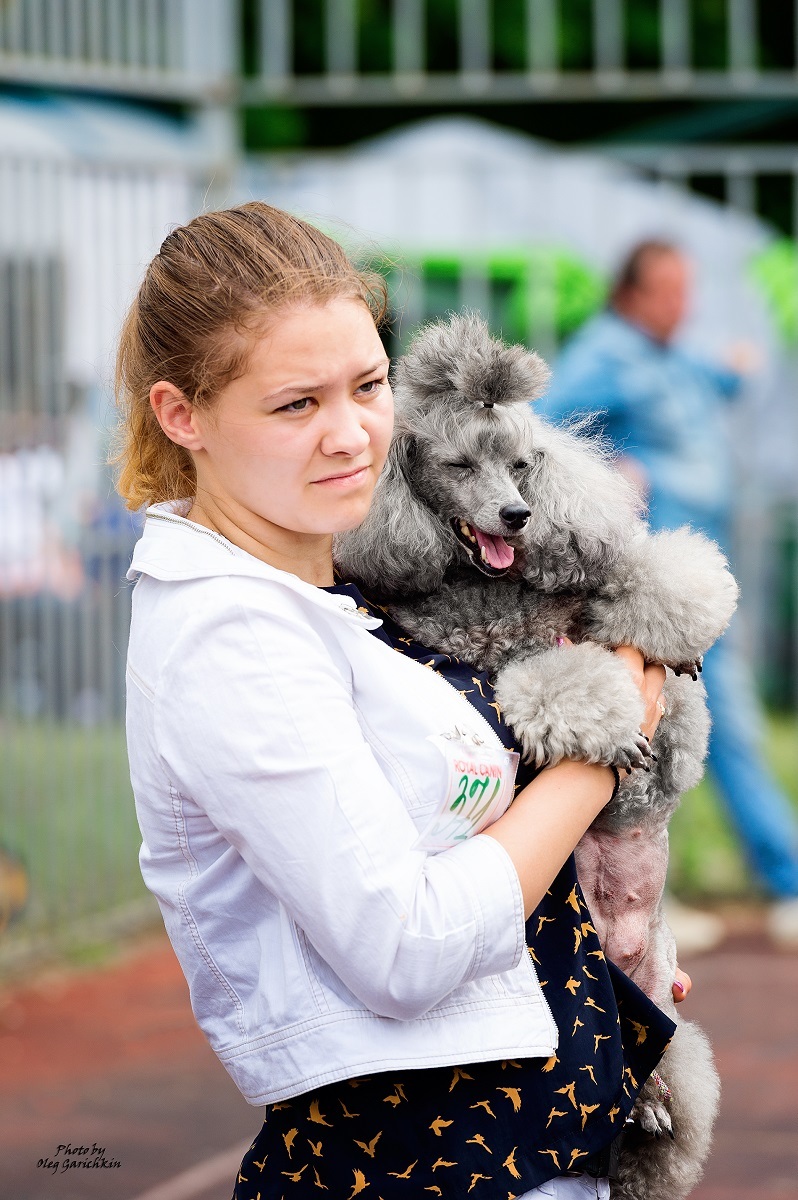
(468, 448)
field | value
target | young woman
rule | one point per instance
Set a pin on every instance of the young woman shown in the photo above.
(412, 1020)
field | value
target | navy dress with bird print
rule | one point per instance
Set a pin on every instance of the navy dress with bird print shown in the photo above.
(485, 1130)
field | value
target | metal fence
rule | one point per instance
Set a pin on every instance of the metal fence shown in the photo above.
(401, 51)
(73, 239)
(168, 49)
(410, 51)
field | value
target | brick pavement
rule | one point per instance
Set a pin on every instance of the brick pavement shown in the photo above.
(112, 1058)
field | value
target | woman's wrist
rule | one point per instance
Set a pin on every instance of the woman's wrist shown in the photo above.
(547, 819)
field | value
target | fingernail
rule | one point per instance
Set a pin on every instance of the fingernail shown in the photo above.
(678, 984)
(560, 641)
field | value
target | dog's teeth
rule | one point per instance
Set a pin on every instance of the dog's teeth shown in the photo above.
(482, 554)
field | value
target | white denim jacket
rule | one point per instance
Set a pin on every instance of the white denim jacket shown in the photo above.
(281, 771)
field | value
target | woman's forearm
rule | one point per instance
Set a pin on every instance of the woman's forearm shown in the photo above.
(547, 819)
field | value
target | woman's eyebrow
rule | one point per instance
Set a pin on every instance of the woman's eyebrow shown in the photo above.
(383, 362)
(315, 387)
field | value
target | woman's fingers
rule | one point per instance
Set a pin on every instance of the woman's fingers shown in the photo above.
(649, 678)
(634, 662)
(681, 985)
(653, 679)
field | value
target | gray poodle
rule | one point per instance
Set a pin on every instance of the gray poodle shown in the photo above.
(493, 534)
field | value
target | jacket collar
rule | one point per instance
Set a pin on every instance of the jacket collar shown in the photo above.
(172, 548)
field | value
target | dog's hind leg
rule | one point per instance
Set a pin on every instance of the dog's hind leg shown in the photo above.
(665, 1168)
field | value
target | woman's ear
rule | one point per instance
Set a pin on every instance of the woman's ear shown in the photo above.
(175, 415)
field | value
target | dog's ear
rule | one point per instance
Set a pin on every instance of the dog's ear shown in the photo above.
(401, 548)
(584, 512)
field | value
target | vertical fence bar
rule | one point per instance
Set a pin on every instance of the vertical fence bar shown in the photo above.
(541, 36)
(475, 38)
(409, 51)
(14, 28)
(96, 31)
(150, 18)
(275, 36)
(340, 37)
(740, 185)
(608, 35)
(133, 33)
(474, 289)
(75, 30)
(742, 35)
(36, 28)
(115, 33)
(674, 23)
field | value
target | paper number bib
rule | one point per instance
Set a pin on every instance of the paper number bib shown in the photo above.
(480, 781)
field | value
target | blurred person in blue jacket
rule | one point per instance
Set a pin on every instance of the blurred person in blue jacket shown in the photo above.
(663, 411)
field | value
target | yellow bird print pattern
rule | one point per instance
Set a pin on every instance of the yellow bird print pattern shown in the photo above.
(483, 1130)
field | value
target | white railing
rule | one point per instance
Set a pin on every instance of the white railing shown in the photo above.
(170, 49)
(542, 70)
(73, 241)
(191, 50)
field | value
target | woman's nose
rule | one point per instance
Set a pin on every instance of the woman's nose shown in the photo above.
(346, 432)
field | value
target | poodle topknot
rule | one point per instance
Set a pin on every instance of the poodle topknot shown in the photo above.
(455, 359)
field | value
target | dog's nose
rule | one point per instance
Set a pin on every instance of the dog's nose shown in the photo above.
(515, 515)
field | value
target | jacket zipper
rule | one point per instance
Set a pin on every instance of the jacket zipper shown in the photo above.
(194, 529)
(493, 734)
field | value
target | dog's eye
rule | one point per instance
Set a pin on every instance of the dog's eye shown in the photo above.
(461, 466)
(520, 465)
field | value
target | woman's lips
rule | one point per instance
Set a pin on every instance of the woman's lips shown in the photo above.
(350, 479)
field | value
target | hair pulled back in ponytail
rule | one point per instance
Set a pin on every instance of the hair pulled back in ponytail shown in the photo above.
(208, 292)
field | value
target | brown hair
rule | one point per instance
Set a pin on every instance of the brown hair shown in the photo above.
(212, 285)
(630, 272)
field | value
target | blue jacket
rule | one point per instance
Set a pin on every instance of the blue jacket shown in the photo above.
(661, 407)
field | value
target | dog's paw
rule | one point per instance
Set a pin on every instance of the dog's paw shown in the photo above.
(574, 702)
(651, 1109)
(634, 751)
(692, 667)
(672, 595)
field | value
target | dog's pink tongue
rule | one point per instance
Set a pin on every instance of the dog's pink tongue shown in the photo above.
(497, 552)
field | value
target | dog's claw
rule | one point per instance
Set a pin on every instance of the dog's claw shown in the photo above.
(650, 1109)
(692, 667)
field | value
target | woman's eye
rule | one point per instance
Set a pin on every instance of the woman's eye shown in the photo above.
(296, 405)
(371, 388)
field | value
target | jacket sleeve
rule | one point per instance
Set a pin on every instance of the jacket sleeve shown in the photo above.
(256, 724)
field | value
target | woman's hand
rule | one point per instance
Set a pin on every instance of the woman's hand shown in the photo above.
(681, 986)
(649, 678)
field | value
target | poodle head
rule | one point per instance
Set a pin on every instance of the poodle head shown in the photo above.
(475, 481)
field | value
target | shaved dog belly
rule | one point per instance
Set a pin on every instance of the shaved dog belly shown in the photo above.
(623, 876)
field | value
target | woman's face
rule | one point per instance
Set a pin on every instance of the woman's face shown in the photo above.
(295, 445)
